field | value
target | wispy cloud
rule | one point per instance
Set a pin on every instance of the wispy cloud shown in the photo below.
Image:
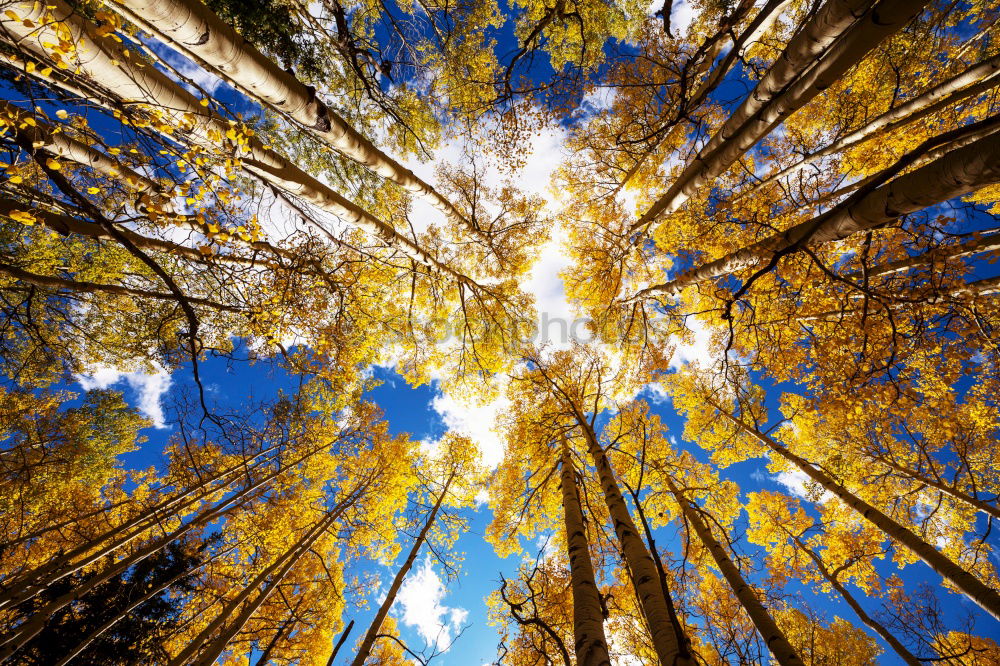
(421, 602)
(149, 388)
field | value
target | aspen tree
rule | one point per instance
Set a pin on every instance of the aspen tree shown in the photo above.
(973, 588)
(773, 637)
(771, 515)
(195, 30)
(839, 35)
(958, 172)
(590, 644)
(132, 80)
(977, 79)
(458, 475)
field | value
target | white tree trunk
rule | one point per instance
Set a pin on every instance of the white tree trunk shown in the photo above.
(840, 35)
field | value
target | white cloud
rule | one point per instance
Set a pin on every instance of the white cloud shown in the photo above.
(799, 484)
(682, 13)
(477, 422)
(420, 599)
(698, 351)
(200, 77)
(557, 324)
(149, 387)
(681, 17)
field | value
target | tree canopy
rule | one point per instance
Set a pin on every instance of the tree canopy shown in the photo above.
(765, 430)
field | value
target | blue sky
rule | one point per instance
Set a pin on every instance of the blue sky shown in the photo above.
(426, 414)
(429, 599)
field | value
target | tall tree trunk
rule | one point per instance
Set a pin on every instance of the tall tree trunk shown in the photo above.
(977, 244)
(340, 642)
(762, 22)
(265, 656)
(65, 225)
(196, 31)
(771, 634)
(937, 484)
(31, 627)
(81, 286)
(273, 574)
(974, 289)
(840, 34)
(958, 172)
(105, 60)
(30, 583)
(664, 632)
(589, 641)
(987, 598)
(976, 79)
(42, 136)
(972, 134)
(397, 582)
(149, 594)
(869, 621)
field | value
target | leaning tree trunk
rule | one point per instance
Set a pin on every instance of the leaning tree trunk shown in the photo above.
(958, 172)
(978, 244)
(73, 652)
(869, 621)
(42, 136)
(195, 30)
(838, 36)
(987, 598)
(976, 79)
(937, 484)
(372, 634)
(102, 59)
(36, 580)
(666, 635)
(65, 225)
(589, 641)
(276, 572)
(769, 631)
(14, 640)
(974, 289)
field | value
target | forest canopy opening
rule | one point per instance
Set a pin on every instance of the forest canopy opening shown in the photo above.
(532, 332)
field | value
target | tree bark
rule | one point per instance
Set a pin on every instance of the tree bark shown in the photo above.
(340, 641)
(772, 635)
(937, 484)
(869, 621)
(956, 173)
(32, 582)
(276, 571)
(65, 225)
(665, 634)
(373, 629)
(42, 136)
(196, 31)
(589, 641)
(987, 598)
(51, 282)
(839, 36)
(976, 79)
(102, 59)
(30, 628)
(96, 633)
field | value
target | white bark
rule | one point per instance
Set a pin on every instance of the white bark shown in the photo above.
(977, 79)
(956, 173)
(195, 30)
(133, 80)
(840, 35)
